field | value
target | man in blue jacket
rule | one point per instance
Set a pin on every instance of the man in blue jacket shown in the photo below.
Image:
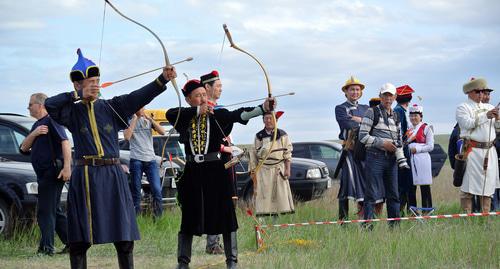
(100, 207)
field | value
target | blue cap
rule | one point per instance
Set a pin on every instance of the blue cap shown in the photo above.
(84, 68)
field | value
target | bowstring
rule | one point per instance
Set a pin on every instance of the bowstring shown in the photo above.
(102, 32)
(221, 50)
(99, 63)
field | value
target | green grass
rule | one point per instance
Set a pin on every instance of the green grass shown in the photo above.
(443, 243)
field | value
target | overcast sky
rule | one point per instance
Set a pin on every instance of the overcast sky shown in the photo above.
(309, 47)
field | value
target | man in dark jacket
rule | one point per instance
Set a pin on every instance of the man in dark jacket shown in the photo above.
(50, 151)
(100, 207)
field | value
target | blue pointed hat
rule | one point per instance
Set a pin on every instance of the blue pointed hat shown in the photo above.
(84, 68)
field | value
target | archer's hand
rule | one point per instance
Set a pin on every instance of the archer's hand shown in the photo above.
(267, 103)
(169, 73)
(206, 108)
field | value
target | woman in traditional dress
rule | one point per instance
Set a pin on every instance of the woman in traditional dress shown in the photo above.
(420, 139)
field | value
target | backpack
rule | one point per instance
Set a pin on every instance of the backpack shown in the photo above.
(359, 149)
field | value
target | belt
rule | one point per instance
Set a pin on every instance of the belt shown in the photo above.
(97, 161)
(481, 145)
(199, 158)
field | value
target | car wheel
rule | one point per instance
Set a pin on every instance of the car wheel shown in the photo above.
(6, 219)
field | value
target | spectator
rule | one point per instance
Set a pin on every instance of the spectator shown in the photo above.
(478, 122)
(50, 151)
(405, 182)
(384, 149)
(420, 140)
(495, 199)
(272, 188)
(143, 159)
(349, 115)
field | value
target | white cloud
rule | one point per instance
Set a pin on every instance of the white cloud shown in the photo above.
(22, 25)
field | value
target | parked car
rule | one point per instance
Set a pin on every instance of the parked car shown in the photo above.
(18, 194)
(13, 129)
(329, 153)
(309, 179)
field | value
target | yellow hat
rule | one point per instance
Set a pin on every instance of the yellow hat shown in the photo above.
(475, 84)
(352, 81)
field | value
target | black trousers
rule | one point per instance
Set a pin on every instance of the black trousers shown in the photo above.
(425, 191)
(50, 215)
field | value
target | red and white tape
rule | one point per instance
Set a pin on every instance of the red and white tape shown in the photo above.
(259, 228)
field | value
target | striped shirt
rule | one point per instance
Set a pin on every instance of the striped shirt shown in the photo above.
(385, 130)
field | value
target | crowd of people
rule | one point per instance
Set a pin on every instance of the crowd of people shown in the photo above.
(397, 142)
(102, 206)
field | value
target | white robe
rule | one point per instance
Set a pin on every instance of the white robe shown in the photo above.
(273, 193)
(474, 125)
(420, 162)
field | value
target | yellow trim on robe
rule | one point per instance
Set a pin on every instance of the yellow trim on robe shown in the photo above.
(95, 131)
(87, 200)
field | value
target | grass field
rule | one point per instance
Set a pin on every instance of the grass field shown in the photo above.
(443, 243)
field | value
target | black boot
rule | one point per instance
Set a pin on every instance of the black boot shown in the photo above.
(126, 260)
(78, 255)
(184, 244)
(231, 249)
(78, 261)
(125, 253)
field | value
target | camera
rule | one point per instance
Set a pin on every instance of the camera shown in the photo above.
(401, 159)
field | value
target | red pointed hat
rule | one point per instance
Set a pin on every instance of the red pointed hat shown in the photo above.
(404, 90)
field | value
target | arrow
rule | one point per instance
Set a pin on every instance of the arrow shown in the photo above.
(107, 84)
(254, 100)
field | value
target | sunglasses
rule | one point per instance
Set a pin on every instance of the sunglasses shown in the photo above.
(481, 91)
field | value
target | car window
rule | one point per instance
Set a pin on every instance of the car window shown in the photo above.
(19, 138)
(323, 152)
(8, 141)
(299, 151)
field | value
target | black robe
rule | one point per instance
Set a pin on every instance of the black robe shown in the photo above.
(203, 190)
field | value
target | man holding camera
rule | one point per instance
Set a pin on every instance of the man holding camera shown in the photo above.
(380, 132)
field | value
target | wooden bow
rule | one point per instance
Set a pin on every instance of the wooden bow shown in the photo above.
(269, 95)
